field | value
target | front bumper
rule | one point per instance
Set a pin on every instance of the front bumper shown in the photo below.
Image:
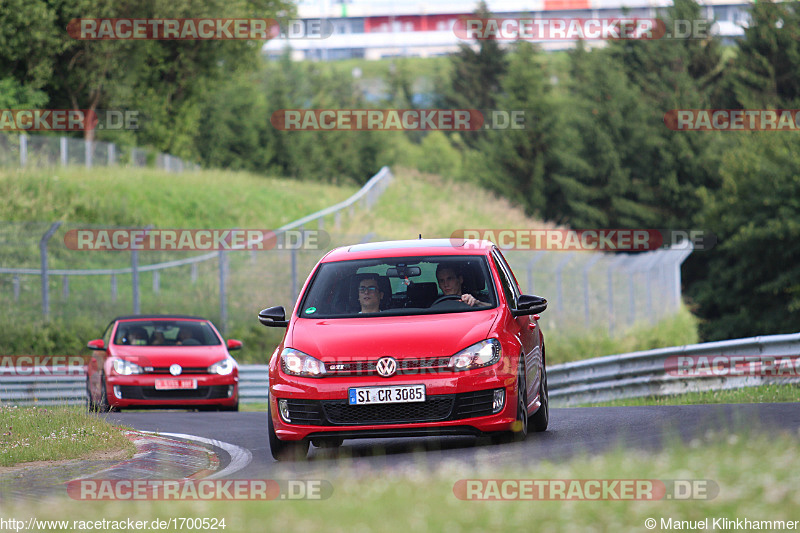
(140, 391)
(456, 404)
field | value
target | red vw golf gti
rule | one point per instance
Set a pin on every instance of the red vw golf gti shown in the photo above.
(407, 338)
(162, 361)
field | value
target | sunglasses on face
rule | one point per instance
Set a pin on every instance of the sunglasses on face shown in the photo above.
(370, 290)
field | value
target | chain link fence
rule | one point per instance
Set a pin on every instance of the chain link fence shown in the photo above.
(41, 276)
(49, 151)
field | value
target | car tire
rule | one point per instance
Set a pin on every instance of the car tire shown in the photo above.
(518, 433)
(90, 405)
(104, 406)
(285, 450)
(234, 407)
(541, 417)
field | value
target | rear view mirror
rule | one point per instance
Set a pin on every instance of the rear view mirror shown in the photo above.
(274, 317)
(233, 344)
(403, 272)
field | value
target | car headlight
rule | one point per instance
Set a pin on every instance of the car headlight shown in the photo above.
(223, 367)
(480, 354)
(297, 363)
(126, 368)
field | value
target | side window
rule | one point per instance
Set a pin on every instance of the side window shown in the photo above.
(505, 281)
(107, 335)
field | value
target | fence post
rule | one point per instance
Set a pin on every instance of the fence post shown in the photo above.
(559, 290)
(16, 287)
(113, 288)
(592, 261)
(535, 259)
(611, 321)
(223, 300)
(194, 273)
(23, 150)
(156, 281)
(65, 287)
(88, 152)
(45, 279)
(63, 150)
(293, 253)
(112, 155)
(135, 280)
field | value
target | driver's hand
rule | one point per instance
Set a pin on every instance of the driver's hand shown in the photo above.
(469, 299)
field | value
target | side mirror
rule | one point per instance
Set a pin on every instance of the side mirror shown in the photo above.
(274, 317)
(233, 344)
(529, 305)
(96, 344)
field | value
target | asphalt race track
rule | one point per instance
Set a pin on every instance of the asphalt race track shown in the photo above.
(573, 431)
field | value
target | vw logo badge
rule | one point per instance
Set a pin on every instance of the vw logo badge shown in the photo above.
(387, 366)
(175, 369)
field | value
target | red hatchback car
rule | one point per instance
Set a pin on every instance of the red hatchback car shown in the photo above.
(407, 338)
(162, 361)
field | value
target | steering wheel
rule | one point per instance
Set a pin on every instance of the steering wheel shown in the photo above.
(446, 297)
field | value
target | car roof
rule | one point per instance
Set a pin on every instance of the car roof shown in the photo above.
(159, 317)
(408, 248)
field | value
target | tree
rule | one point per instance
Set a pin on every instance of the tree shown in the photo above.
(476, 77)
(752, 281)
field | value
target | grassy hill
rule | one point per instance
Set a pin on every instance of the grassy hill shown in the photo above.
(108, 197)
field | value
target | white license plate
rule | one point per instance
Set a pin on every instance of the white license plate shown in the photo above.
(172, 384)
(392, 394)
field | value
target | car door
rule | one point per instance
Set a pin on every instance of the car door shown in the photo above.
(526, 328)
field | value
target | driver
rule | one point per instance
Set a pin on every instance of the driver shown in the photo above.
(451, 282)
(369, 295)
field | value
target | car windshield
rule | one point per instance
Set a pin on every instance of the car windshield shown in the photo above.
(165, 333)
(399, 286)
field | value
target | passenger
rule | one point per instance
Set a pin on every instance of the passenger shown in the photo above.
(186, 337)
(369, 295)
(451, 283)
(137, 336)
(158, 339)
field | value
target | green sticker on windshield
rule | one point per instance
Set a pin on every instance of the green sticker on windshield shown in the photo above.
(311, 310)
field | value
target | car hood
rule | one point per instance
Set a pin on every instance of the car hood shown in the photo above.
(353, 339)
(186, 356)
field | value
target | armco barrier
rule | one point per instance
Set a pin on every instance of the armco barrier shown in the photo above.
(640, 374)
(612, 377)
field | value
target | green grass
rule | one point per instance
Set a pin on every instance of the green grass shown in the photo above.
(762, 394)
(142, 196)
(757, 476)
(55, 433)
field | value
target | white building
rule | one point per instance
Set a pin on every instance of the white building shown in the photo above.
(374, 29)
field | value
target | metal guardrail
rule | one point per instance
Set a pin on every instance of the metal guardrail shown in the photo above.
(69, 387)
(631, 375)
(652, 373)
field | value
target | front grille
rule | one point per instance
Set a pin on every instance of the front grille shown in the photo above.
(473, 404)
(434, 409)
(404, 367)
(214, 392)
(184, 370)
